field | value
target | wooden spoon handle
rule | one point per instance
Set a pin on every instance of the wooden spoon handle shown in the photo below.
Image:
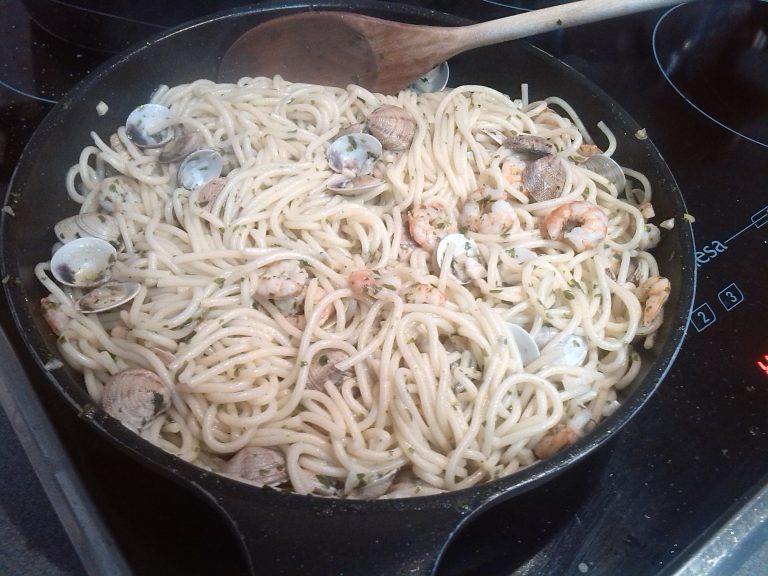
(548, 19)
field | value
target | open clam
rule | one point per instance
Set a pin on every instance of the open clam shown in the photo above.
(199, 168)
(354, 186)
(529, 350)
(434, 80)
(354, 154)
(608, 168)
(570, 350)
(465, 262)
(90, 224)
(373, 485)
(182, 144)
(84, 263)
(107, 296)
(147, 126)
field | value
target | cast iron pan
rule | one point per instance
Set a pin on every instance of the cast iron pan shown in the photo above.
(285, 533)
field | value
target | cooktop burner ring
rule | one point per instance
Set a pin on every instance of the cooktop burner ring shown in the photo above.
(673, 64)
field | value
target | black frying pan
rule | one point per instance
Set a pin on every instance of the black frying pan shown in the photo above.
(286, 533)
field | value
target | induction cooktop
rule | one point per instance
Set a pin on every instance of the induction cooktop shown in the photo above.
(681, 489)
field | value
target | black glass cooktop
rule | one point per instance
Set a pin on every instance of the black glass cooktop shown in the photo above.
(677, 492)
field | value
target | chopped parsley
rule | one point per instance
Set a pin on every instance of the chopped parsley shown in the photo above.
(327, 481)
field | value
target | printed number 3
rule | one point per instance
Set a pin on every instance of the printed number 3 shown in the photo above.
(732, 297)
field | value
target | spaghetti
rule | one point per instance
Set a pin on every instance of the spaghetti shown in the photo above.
(318, 334)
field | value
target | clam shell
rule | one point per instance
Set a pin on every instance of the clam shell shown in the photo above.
(143, 123)
(393, 126)
(84, 263)
(90, 224)
(433, 81)
(494, 135)
(544, 178)
(354, 186)
(522, 254)
(135, 397)
(199, 168)
(259, 465)
(209, 191)
(464, 247)
(352, 129)
(183, 143)
(373, 486)
(323, 368)
(571, 350)
(530, 145)
(354, 154)
(107, 296)
(529, 351)
(608, 168)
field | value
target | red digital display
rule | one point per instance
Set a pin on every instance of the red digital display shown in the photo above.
(763, 364)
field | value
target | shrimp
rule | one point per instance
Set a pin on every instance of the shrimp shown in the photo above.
(487, 211)
(512, 170)
(283, 279)
(407, 244)
(429, 224)
(588, 150)
(583, 224)
(313, 297)
(117, 145)
(378, 284)
(425, 294)
(555, 440)
(56, 319)
(294, 308)
(653, 293)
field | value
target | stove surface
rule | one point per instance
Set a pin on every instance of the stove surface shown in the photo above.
(689, 464)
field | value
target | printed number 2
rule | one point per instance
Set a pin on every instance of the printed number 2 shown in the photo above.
(703, 317)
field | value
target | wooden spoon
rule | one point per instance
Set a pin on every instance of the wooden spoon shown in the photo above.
(339, 48)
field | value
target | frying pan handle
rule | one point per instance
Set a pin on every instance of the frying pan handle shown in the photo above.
(288, 535)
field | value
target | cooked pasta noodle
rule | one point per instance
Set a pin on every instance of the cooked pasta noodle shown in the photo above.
(283, 315)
